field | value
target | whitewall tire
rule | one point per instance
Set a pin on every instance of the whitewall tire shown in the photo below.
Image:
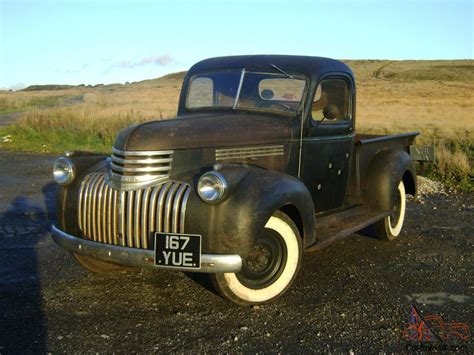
(390, 227)
(269, 269)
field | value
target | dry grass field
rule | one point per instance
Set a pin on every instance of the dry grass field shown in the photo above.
(433, 97)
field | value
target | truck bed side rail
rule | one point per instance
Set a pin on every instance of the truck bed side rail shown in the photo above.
(366, 149)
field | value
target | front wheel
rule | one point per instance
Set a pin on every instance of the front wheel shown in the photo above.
(390, 227)
(269, 268)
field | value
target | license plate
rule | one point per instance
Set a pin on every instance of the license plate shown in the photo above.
(178, 250)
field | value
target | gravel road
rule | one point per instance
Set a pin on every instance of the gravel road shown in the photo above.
(355, 295)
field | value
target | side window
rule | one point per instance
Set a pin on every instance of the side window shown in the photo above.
(200, 93)
(332, 102)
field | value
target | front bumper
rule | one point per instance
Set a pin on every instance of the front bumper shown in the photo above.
(141, 258)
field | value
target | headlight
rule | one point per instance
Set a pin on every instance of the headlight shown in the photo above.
(64, 171)
(212, 187)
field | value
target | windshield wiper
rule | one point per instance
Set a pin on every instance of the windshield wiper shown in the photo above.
(282, 71)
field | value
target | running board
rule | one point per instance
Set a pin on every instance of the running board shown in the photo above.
(330, 229)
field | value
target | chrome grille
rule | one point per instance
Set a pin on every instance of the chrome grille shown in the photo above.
(126, 218)
(132, 169)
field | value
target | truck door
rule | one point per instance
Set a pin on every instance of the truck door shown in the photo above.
(327, 143)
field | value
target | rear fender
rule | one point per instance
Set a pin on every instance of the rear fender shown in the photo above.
(385, 172)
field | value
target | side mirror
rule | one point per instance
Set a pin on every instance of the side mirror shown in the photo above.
(331, 112)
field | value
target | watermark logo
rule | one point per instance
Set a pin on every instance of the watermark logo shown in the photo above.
(430, 332)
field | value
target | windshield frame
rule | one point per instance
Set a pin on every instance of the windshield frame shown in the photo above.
(243, 71)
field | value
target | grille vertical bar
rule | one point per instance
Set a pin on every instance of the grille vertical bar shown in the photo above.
(130, 196)
(121, 218)
(176, 208)
(161, 202)
(144, 219)
(126, 218)
(168, 208)
(152, 213)
(182, 212)
(108, 220)
(114, 219)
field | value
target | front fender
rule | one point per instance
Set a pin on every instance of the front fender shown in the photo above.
(232, 225)
(385, 172)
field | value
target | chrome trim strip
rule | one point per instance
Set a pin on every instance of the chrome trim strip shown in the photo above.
(129, 230)
(153, 205)
(147, 169)
(141, 152)
(100, 202)
(96, 210)
(160, 209)
(136, 219)
(87, 206)
(102, 214)
(127, 183)
(142, 161)
(91, 205)
(183, 210)
(176, 208)
(114, 222)
(249, 152)
(169, 207)
(132, 170)
(121, 215)
(80, 202)
(110, 235)
(144, 218)
(142, 258)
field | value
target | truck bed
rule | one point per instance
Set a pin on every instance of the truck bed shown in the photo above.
(366, 147)
(356, 214)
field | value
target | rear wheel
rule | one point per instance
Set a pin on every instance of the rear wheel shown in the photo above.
(390, 227)
(97, 266)
(269, 268)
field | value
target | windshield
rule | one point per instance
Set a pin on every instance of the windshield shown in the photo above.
(240, 89)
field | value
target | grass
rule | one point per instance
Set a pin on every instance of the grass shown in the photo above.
(11, 102)
(433, 97)
(57, 141)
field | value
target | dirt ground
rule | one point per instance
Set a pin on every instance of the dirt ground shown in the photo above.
(354, 296)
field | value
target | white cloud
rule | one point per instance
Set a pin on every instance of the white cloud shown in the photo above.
(158, 60)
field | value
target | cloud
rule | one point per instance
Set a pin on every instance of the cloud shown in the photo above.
(77, 70)
(14, 87)
(159, 60)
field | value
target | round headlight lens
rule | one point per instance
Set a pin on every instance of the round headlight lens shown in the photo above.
(63, 171)
(212, 187)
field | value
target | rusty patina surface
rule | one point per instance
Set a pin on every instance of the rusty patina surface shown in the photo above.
(269, 158)
(206, 131)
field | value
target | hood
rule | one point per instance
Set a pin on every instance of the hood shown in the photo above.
(199, 131)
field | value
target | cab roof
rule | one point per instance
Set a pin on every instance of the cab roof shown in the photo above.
(312, 67)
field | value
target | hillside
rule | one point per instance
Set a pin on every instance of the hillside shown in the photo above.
(433, 97)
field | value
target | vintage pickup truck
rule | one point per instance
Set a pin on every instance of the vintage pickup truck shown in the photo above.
(260, 165)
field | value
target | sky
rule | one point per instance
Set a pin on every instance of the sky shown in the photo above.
(117, 41)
